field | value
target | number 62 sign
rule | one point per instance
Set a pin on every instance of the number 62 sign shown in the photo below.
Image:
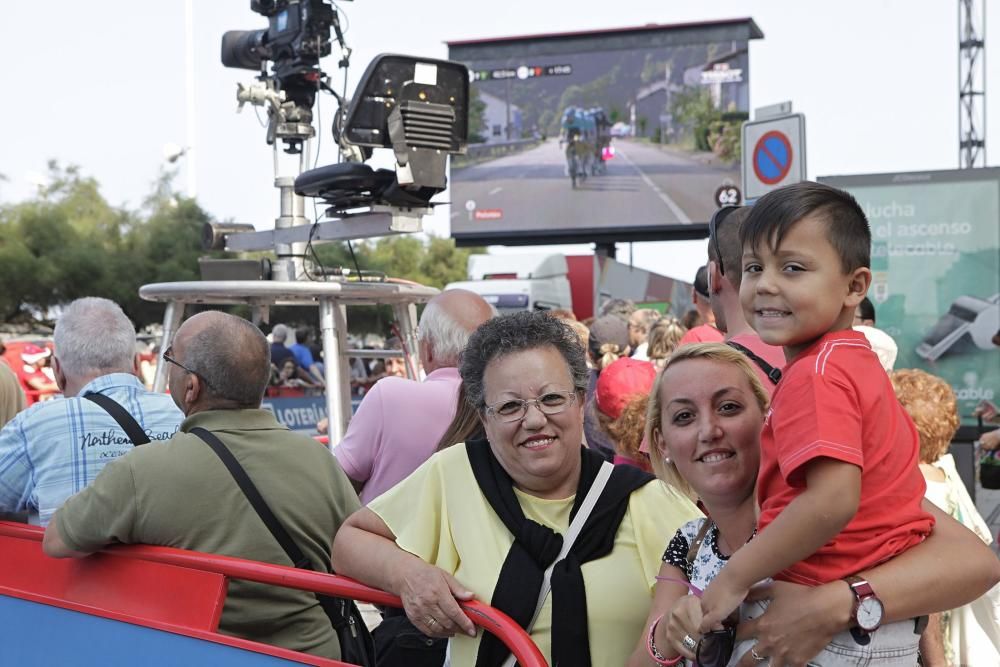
(728, 195)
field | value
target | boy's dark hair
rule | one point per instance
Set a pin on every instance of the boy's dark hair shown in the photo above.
(847, 228)
(867, 309)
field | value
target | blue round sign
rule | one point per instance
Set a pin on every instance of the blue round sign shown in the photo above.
(772, 157)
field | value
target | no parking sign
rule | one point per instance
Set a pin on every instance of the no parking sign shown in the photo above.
(774, 154)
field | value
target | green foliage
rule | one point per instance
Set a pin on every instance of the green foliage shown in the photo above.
(477, 117)
(712, 129)
(69, 242)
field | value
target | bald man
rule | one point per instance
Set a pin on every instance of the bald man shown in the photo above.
(180, 494)
(399, 422)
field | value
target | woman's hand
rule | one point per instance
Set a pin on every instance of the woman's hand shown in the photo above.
(683, 621)
(799, 622)
(430, 597)
(720, 599)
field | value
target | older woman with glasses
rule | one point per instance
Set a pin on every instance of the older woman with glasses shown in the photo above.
(491, 518)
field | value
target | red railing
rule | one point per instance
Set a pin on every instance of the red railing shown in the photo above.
(484, 616)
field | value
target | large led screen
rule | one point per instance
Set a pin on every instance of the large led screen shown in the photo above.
(600, 136)
(936, 273)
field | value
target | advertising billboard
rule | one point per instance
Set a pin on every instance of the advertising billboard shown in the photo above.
(936, 272)
(611, 135)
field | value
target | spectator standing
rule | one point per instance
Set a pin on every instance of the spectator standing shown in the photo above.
(12, 398)
(279, 347)
(725, 275)
(180, 494)
(400, 421)
(639, 324)
(706, 332)
(304, 356)
(54, 449)
(969, 635)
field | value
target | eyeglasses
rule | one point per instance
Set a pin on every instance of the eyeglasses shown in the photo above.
(713, 232)
(514, 409)
(715, 647)
(167, 356)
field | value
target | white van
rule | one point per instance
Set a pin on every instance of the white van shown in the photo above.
(519, 282)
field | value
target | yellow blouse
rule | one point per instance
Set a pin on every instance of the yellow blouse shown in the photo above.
(439, 515)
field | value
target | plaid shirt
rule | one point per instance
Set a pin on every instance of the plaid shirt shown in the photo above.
(55, 448)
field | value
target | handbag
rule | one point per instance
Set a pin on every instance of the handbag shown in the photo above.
(356, 644)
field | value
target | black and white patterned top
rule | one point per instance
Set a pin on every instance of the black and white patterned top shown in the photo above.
(707, 561)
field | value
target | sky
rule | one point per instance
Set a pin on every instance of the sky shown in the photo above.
(102, 86)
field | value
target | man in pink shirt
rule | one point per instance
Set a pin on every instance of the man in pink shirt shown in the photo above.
(400, 422)
(709, 331)
(724, 277)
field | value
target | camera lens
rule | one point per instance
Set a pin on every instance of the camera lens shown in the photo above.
(243, 48)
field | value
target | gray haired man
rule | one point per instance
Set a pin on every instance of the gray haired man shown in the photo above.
(55, 448)
(399, 423)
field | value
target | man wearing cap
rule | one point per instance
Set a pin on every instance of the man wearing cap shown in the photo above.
(701, 297)
(400, 421)
(54, 449)
(33, 375)
(725, 271)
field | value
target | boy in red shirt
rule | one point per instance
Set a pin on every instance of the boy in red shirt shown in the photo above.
(839, 488)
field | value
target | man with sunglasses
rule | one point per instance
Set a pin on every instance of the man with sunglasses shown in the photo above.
(180, 494)
(725, 271)
(55, 448)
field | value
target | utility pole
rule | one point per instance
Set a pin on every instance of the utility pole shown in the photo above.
(971, 83)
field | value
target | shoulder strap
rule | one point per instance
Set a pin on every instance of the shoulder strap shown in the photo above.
(256, 500)
(773, 374)
(354, 639)
(575, 526)
(128, 423)
(696, 542)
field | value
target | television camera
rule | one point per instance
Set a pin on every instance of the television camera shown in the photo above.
(417, 107)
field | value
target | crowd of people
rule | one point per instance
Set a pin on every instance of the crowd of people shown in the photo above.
(751, 483)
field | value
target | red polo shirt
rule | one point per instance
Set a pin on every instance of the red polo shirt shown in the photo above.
(834, 400)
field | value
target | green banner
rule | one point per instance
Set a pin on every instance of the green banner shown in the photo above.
(936, 272)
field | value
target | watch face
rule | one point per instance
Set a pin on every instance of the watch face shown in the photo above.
(869, 614)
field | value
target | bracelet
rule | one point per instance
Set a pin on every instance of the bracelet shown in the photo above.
(654, 653)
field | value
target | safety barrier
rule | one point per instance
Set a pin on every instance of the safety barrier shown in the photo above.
(171, 591)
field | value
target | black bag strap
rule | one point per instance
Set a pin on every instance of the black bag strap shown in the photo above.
(773, 374)
(342, 612)
(256, 500)
(128, 423)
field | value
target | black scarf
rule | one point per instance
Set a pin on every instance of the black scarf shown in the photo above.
(536, 547)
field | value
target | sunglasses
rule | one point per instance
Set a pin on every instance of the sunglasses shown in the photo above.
(715, 647)
(713, 232)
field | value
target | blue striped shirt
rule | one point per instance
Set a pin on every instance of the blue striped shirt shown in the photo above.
(55, 448)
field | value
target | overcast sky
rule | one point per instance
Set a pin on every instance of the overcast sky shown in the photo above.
(101, 85)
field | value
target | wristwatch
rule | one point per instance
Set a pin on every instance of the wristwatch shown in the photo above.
(868, 611)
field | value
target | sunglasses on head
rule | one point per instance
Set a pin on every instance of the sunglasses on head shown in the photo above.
(713, 232)
(715, 647)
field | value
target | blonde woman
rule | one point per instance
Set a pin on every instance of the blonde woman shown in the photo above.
(663, 340)
(703, 422)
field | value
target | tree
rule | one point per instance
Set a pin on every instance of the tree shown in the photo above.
(477, 117)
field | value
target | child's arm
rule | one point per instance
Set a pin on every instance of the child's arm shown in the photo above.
(817, 515)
